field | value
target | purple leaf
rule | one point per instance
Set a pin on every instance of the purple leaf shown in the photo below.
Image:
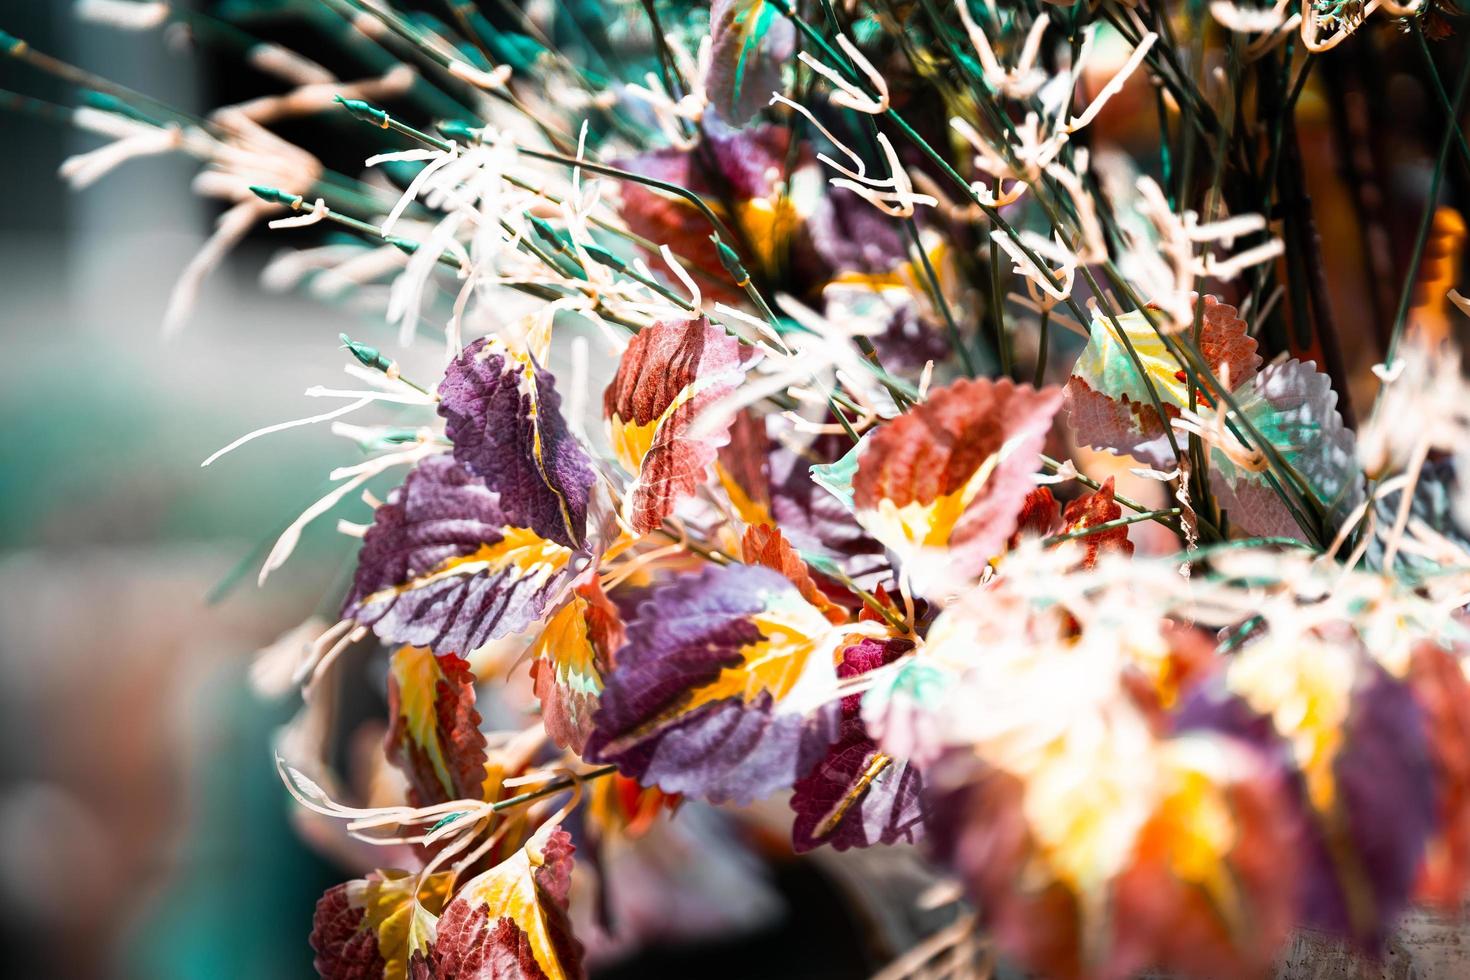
(440, 568)
(858, 796)
(703, 702)
(504, 417)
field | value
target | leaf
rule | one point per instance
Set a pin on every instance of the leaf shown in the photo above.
(737, 173)
(571, 656)
(1189, 878)
(434, 730)
(764, 545)
(813, 518)
(618, 807)
(944, 483)
(670, 374)
(1090, 510)
(503, 414)
(743, 467)
(1108, 399)
(441, 568)
(511, 921)
(376, 926)
(856, 242)
(858, 796)
(836, 477)
(1356, 742)
(724, 690)
(1041, 517)
(1441, 690)
(1202, 895)
(750, 42)
(1293, 406)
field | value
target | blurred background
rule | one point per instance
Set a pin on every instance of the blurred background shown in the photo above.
(143, 829)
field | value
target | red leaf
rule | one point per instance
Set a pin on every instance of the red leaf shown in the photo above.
(511, 921)
(1440, 688)
(670, 373)
(858, 796)
(1093, 509)
(1039, 515)
(764, 545)
(1226, 343)
(376, 927)
(434, 734)
(954, 471)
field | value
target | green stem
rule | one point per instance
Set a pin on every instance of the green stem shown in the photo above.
(1426, 222)
(1042, 348)
(1151, 515)
(552, 788)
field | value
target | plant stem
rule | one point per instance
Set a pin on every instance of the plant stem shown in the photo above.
(1150, 515)
(551, 788)
(1426, 222)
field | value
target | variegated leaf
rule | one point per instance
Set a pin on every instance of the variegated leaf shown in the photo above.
(750, 43)
(725, 689)
(1110, 402)
(943, 484)
(510, 923)
(1292, 405)
(570, 658)
(503, 414)
(440, 567)
(434, 730)
(670, 374)
(858, 796)
(378, 926)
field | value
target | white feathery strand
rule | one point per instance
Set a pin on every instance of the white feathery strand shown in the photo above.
(84, 169)
(411, 156)
(288, 540)
(988, 61)
(402, 397)
(230, 230)
(351, 529)
(490, 81)
(719, 413)
(1114, 85)
(411, 194)
(1244, 20)
(761, 326)
(696, 298)
(408, 289)
(1226, 230)
(361, 266)
(454, 329)
(287, 65)
(124, 14)
(317, 213)
(288, 267)
(880, 84)
(1233, 266)
(846, 94)
(1026, 267)
(108, 123)
(860, 174)
(577, 391)
(282, 426)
